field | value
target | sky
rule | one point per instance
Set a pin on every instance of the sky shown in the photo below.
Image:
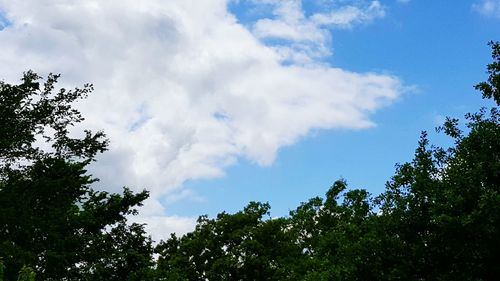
(210, 104)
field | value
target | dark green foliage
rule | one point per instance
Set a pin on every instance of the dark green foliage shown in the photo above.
(2, 269)
(26, 274)
(125, 253)
(29, 111)
(50, 218)
(491, 88)
(242, 246)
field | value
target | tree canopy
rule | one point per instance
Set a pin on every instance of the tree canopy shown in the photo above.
(438, 218)
(51, 219)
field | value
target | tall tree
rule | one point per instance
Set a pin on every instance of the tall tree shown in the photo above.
(50, 217)
(443, 209)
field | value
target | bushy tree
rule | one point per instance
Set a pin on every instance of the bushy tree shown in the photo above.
(444, 207)
(50, 218)
(241, 246)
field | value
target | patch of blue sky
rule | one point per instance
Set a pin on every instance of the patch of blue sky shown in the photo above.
(247, 12)
(221, 116)
(437, 48)
(4, 22)
(142, 119)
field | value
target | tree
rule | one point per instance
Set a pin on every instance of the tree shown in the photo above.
(240, 246)
(442, 209)
(439, 218)
(50, 218)
(490, 89)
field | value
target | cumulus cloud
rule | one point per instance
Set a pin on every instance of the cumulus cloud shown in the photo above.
(183, 90)
(490, 8)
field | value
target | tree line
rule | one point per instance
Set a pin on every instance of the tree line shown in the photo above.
(438, 218)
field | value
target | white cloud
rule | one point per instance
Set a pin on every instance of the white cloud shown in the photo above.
(490, 8)
(349, 15)
(163, 226)
(182, 89)
(310, 35)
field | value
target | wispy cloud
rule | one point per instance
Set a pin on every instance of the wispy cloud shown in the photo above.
(307, 37)
(489, 8)
(349, 15)
(183, 90)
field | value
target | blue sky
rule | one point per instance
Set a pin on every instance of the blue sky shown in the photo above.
(438, 48)
(210, 104)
